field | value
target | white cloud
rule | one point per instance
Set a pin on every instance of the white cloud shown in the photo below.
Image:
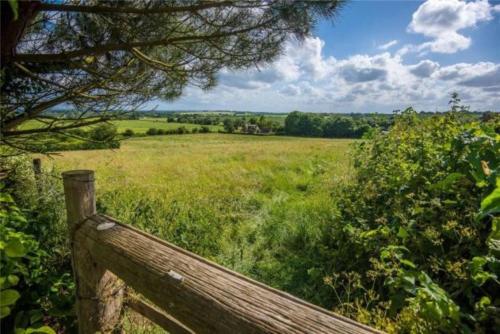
(299, 60)
(388, 45)
(291, 90)
(441, 20)
(489, 78)
(304, 79)
(424, 69)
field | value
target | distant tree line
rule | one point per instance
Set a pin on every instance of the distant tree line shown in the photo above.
(333, 126)
(179, 131)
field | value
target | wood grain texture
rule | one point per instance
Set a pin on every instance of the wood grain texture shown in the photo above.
(202, 295)
(99, 293)
(165, 321)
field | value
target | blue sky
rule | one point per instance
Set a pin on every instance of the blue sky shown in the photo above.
(376, 56)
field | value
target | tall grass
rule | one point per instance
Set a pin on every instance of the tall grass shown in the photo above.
(230, 198)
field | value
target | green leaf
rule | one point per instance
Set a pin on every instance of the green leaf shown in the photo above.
(13, 279)
(15, 248)
(15, 8)
(8, 297)
(483, 303)
(36, 316)
(43, 329)
(408, 263)
(4, 311)
(493, 240)
(402, 233)
(448, 182)
(478, 274)
(491, 203)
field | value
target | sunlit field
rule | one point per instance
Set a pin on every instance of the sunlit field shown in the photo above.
(139, 126)
(212, 193)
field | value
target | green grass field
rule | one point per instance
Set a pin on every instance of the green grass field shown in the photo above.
(139, 126)
(142, 125)
(213, 193)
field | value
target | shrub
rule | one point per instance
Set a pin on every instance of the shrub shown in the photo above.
(128, 133)
(204, 129)
(409, 226)
(103, 133)
(152, 132)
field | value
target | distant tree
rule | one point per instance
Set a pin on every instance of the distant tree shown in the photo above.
(303, 124)
(340, 127)
(101, 57)
(228, 125)
(182, 130)
(128, 133)
(455, 103)
(204, 129)
(292, 123)
(103, 132)
(152, 132)
(238, 123)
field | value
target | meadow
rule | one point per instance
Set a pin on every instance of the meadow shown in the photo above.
(213, 193)
(139, 126)
(394, 231)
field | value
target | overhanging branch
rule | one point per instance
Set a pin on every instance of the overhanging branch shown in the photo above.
(54, 128)
(101, 49)
(133, 10)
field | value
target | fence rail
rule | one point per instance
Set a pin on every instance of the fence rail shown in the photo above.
(191, 294)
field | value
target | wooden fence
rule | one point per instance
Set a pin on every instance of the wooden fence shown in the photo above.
(191, 294)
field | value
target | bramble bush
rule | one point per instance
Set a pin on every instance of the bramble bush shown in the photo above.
(418, 227)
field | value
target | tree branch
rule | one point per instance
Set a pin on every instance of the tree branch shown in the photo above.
(132, 10)
(101, 49)
(54, 129)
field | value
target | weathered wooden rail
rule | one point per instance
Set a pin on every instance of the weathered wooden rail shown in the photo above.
(191, 294)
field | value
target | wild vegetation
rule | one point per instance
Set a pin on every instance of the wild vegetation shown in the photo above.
(399, 232)
(205, 197)
(413, 245)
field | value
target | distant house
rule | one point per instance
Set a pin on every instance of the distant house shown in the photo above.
(251, 128)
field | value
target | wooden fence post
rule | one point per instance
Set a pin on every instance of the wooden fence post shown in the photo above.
(99, 293)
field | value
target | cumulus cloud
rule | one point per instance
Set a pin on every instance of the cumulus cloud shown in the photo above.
(300, 60)
(303, 78)
(352, 73)
(291, 90)
(388, 45)
(424, 69)
(487, 79)
(441, 20)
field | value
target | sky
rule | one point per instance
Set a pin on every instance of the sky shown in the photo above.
(376, 56)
